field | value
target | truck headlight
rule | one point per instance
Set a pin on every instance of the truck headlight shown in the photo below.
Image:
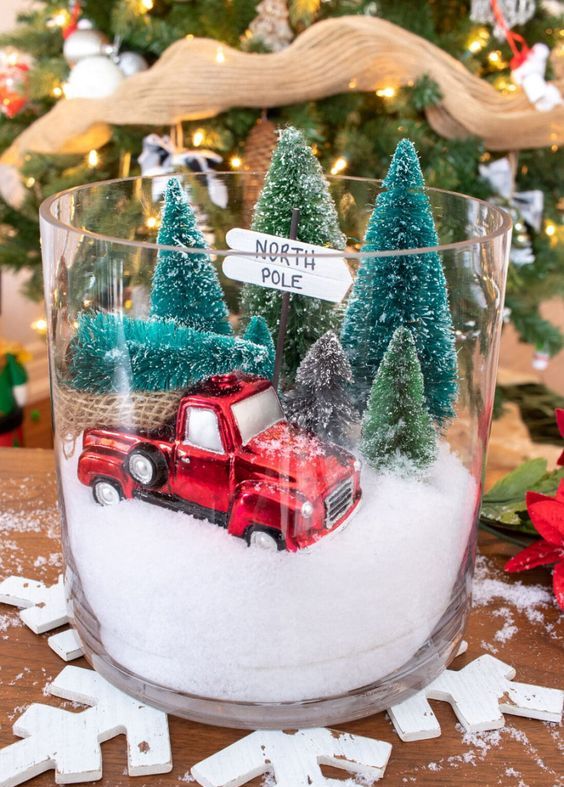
(357, 465)
(307, 509)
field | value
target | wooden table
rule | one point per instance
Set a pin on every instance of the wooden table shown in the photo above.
(526, 753)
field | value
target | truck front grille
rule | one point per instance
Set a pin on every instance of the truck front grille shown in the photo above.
(338, 502)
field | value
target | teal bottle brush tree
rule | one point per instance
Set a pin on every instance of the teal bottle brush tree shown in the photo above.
(295, 180)
(402, 290)
(397, 431)
(187, 336)
(185, 287)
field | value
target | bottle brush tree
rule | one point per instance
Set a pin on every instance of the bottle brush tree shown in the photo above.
(407, 289)
(320, 401)
(185, 287)
(257, 332)
(397, 431)
(295, 180)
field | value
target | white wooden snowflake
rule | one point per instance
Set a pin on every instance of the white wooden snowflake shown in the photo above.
(43, 608)
(69, 742)
(479, 693)
(294, 759)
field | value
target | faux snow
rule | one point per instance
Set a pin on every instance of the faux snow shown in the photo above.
(185, 605)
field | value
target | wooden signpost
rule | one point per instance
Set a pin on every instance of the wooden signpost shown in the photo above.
(288, 265)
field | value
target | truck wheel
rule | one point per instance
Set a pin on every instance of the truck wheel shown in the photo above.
(267, 538)
(146, 465)
(106, 492)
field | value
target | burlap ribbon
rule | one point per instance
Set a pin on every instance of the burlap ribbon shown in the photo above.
(334, 56)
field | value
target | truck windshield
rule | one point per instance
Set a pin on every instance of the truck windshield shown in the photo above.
(256, 413)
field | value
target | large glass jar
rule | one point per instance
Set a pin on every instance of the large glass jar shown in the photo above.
(220, 563)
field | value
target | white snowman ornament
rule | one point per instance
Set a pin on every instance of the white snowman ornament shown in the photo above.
(530, 76)
(94, 77)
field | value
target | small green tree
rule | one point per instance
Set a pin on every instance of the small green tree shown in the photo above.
(397, 430)
(407, 289)
(295, 180)
(185, 286)
(258, 333)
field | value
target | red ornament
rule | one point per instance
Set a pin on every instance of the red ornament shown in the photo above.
(232, 459)
(13, 85)
(547, 515)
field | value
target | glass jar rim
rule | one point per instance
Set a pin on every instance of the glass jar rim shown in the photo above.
(45, 212)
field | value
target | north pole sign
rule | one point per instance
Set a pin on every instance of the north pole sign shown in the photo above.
(287, 265)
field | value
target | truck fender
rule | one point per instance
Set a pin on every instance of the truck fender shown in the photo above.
(264, 504)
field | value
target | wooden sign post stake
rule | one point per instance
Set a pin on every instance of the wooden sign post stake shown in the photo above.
(285, 308)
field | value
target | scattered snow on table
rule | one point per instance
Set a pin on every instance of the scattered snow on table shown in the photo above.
(188, 606)
(491, 585)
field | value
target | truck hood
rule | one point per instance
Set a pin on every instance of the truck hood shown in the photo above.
(284, 450)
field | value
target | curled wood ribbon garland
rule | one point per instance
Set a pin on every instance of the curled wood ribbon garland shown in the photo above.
(334, 56)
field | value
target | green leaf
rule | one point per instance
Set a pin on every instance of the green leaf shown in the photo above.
(505, 504)
(515, 484)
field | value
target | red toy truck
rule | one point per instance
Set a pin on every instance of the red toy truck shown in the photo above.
(234, 460)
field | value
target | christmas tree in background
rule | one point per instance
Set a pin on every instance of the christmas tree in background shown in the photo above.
(320, 401)
(185, 287)
(397, 430)
(352, 132)
(295, 180)
(408, 290)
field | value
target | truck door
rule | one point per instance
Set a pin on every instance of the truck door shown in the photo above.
(203, 464)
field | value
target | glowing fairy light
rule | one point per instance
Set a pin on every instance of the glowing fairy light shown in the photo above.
(478, 40)
(220, 55)
(236, 162)
(92, 159)
(339, 165)
(39, 326)
(386, 92)
(198, 137)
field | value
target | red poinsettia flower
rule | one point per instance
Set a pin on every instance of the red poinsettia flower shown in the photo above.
(547, 515)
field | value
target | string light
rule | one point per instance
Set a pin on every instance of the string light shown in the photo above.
(478, 40)
(504, 85)
(92, 159)
(151, 222)
(386, 92)
(198, 137)
(496, 60)
(550, 228)
(145, 6)
(220, 55)
(57, 91)
(554, 148)
(339, 165)
(60, 18)
(236, 162)
(29, 182)
(39, 326)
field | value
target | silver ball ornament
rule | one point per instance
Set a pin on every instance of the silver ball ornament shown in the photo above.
(93, 77)
(131, 63)
(84, 42)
